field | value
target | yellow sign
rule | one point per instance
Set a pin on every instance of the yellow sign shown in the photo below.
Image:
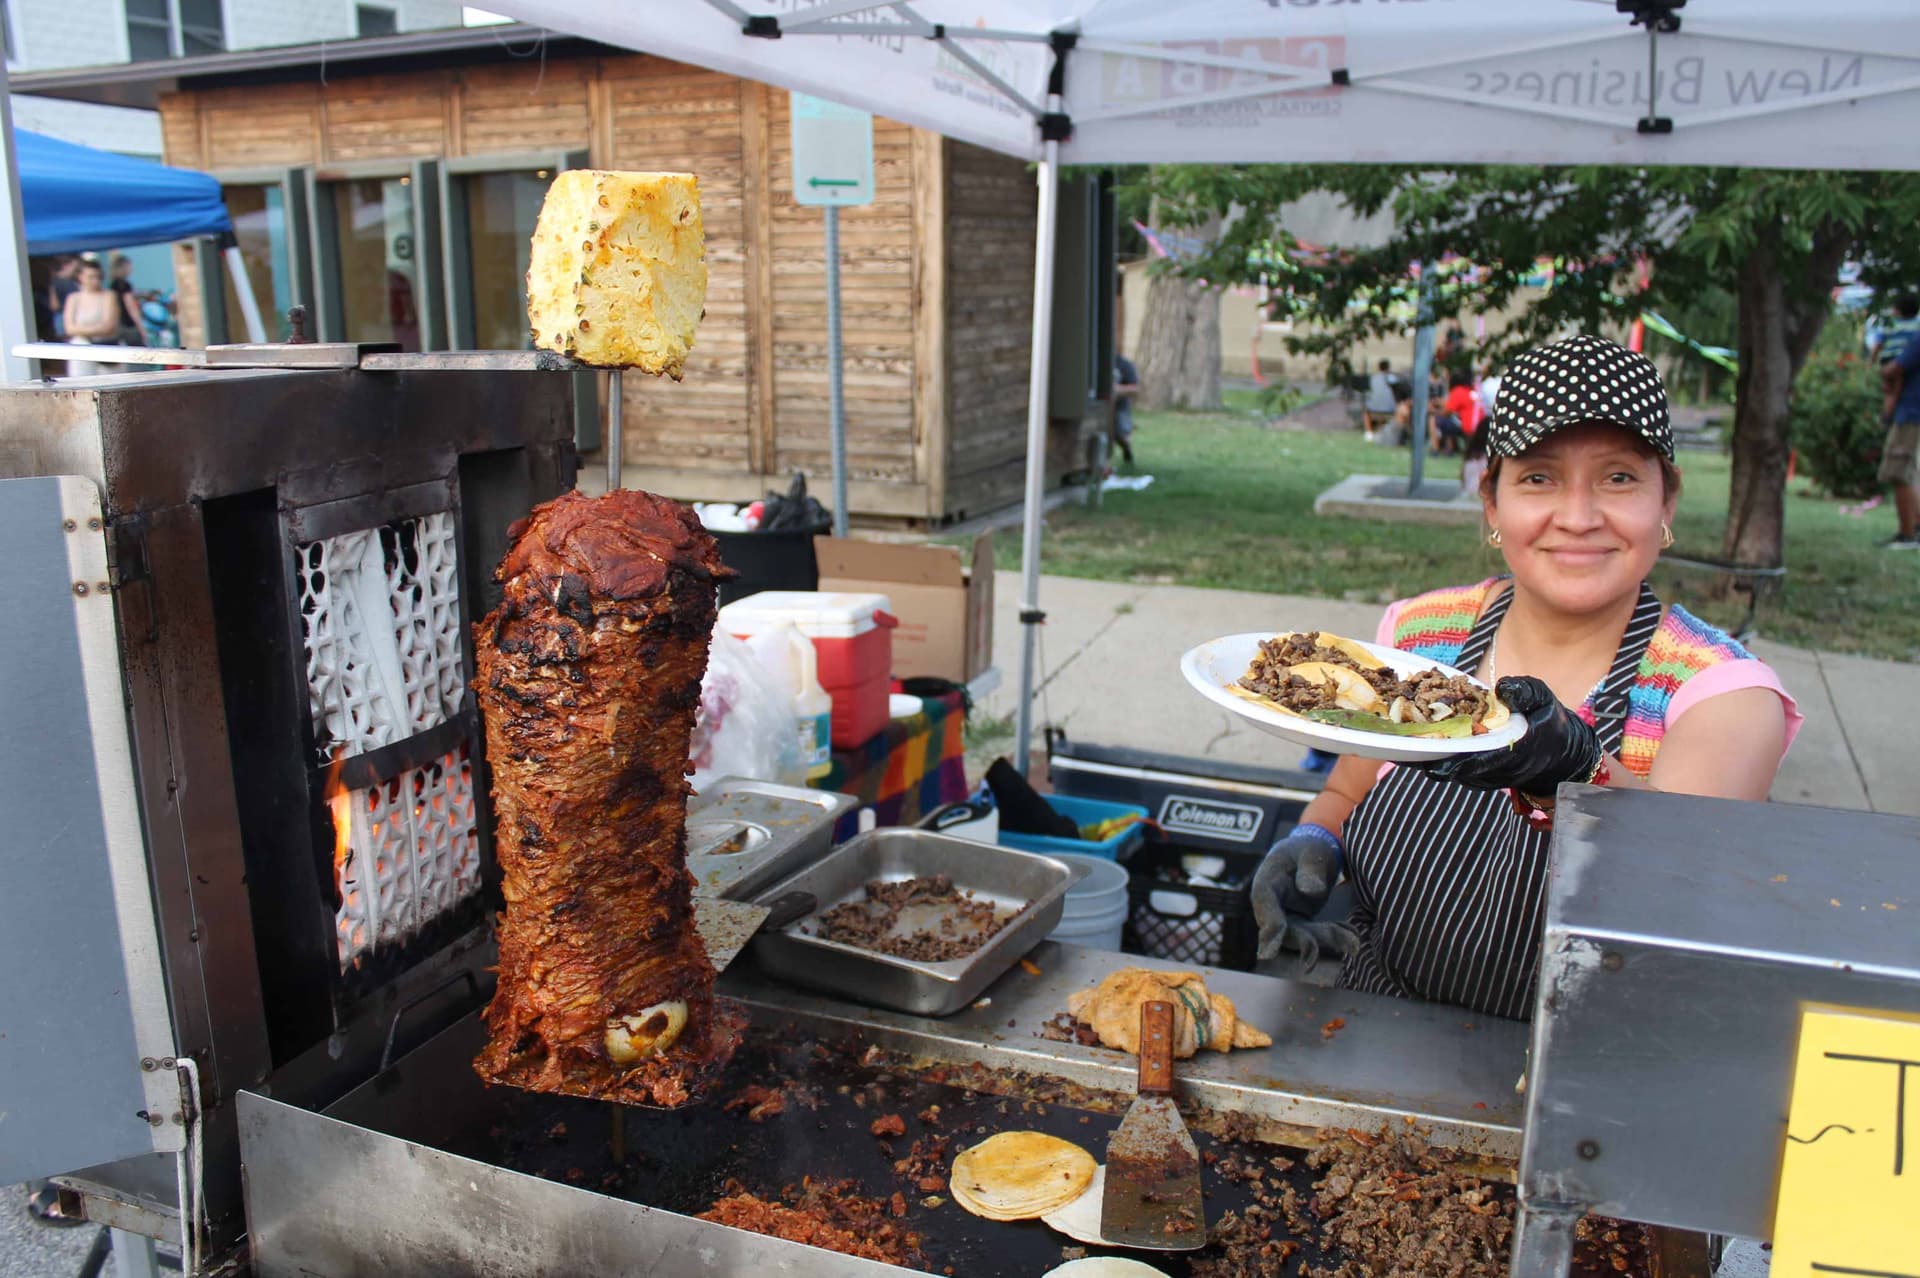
(1850, 1177)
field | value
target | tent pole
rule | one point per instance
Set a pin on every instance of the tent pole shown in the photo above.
(1031, 617)
(16, 296)
(243, 289)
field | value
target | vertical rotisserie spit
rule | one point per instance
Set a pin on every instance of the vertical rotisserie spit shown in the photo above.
(588, 678)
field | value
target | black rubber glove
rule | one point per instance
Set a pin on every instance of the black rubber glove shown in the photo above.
(1291, 887)
(1558, 746)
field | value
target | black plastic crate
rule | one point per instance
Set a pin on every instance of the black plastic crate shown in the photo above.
(1191, 922)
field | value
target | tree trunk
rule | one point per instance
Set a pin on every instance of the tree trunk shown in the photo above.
(1179, 346)
(1779, 318)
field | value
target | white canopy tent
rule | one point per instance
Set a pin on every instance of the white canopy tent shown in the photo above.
(1767, 83)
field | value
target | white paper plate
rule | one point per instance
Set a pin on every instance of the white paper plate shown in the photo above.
(1080, 1219)
(1106, 1267)
(1214, 665)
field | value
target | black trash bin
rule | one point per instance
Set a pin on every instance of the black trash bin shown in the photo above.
(779, 560)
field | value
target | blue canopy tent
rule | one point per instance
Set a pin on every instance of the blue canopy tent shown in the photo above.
(75, 198)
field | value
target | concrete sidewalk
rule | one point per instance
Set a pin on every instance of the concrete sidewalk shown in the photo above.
(1110, 676)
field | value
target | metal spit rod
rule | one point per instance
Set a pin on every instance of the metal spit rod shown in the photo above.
(614, 428)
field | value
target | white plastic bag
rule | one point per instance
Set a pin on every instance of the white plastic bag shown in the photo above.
(744, 727)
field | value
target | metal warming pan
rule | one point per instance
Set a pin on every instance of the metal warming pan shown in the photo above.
(1036, 886)
(743, 835)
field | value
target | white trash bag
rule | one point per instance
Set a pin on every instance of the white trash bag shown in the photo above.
(744, 727)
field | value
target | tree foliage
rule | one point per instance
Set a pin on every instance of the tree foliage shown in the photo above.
(1773, 239)
(1594, 224)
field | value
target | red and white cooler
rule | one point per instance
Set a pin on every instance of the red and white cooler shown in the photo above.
(852, 637)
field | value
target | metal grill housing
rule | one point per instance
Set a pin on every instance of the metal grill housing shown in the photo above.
(381, 614)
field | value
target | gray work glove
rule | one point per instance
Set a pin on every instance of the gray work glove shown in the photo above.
(1290, 889)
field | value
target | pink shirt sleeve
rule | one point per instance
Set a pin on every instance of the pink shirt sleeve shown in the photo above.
(1388, 620)
(1732, 676)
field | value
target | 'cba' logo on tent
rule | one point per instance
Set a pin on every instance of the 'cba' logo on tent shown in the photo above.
(1128, 78)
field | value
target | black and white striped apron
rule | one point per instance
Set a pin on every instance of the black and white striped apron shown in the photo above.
(1450, 884)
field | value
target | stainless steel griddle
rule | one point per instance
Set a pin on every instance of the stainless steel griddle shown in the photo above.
(478, 1183)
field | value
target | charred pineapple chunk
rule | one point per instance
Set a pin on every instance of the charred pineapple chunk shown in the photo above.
(618, 272)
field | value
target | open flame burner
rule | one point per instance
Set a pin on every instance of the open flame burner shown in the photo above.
(381, 629)
(405, 852)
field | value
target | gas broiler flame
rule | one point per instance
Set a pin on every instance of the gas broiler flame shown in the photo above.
(340, 803)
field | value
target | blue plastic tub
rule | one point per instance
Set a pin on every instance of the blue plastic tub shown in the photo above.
(1083, 813)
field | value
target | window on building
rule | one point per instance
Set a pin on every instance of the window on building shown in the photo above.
(501, 209)
(375, 20)
(174, 28)
(260, 227)
(149, 30)
(202, 28)
(378, 261)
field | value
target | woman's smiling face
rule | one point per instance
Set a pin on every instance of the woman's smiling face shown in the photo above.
(1580, 515)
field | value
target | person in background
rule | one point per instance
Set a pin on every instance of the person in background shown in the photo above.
(1891, 341)
(1488, 390)
(133, 325)
(65, 282)
(1400, 426)
(1377, 408)
(92, 316)
(1462, 406)
(1126, 384)
(1900, 455)
(91, 312)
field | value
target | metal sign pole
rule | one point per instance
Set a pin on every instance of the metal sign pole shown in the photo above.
(832, 166)
(836, 402)
(1422, 372)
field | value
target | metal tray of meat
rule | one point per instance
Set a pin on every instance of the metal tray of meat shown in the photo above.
(743, 835)
(1033, 886)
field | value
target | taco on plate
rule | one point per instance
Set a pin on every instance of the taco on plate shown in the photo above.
(1333, 680)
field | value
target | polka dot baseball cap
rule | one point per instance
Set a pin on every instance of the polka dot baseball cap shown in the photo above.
(1582, 379)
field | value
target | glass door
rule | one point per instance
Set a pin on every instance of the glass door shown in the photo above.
(377, 260)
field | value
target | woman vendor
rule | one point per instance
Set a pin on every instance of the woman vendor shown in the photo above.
(1448, 861)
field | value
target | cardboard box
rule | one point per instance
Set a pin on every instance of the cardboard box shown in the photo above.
(944, 601)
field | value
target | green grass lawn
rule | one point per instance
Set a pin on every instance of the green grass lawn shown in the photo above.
(1232, 506)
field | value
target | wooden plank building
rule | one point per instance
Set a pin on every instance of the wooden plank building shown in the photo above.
(936, 275)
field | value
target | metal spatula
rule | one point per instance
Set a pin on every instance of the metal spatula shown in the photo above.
(726, 926)
(1153, 1170)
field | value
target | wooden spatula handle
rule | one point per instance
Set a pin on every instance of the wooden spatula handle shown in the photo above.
(1156, 1049)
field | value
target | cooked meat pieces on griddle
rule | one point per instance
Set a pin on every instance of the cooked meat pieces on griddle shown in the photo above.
(1391, 1206)
(1269, 678)
(964, 923)
(829, 1214)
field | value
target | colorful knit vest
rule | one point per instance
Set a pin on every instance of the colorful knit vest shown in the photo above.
(1435, 625)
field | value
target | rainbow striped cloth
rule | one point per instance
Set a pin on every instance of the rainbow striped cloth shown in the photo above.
(912, 766)
(1436, 624)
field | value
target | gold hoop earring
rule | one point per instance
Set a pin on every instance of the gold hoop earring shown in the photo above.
(1666, 535)
(1493, 539)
